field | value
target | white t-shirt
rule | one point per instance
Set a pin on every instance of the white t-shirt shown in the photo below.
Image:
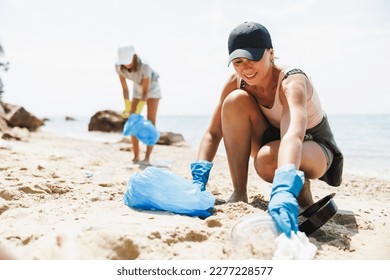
(144, 71)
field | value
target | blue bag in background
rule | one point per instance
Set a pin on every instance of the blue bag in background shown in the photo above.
(143, 129)
(160, 189)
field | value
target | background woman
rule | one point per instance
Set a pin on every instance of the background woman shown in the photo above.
(146, 89)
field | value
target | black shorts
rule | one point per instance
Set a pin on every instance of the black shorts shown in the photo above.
(273, 134)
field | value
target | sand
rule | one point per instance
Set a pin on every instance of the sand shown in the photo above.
(51, 208)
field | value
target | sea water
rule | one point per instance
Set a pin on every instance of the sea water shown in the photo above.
(363, 139)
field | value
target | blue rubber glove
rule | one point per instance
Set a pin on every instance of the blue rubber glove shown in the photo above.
(200, 171)
(283, 205)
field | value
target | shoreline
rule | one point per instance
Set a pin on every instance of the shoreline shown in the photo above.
(50, 209)
(371, 162)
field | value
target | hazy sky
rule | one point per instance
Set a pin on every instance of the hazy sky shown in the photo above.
(62, 52)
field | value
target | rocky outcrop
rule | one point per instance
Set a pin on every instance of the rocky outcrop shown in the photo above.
(107, 121)
(3, 125)
(16, 115)
(69, 118)
(111, 121)
(170, 138)
(17, 120)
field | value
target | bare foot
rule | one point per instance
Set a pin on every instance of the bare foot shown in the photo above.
(144, 162)
(238, 196)
(305, 198)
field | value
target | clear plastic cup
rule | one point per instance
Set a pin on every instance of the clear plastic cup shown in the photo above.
(253, 237)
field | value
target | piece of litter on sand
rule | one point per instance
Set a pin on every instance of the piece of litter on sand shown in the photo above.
(102, 173)
(298, 247)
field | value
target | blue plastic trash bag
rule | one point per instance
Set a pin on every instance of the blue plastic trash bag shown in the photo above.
(143, 129)
(131, 124)
(160, 189)
(148, 134)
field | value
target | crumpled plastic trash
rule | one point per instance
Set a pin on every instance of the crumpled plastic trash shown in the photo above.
(298, 247)
(143, 129)
(160, 189)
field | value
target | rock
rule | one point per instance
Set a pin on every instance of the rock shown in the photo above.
(16, 133)
(111, 121)
(69, 118)
(170, 138)
(20, 117)
(2, 111)
(3, 126)
(107, 121)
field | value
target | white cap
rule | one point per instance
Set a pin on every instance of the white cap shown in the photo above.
(125, 55)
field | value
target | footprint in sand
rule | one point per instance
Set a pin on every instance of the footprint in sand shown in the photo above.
(344, 217)
(11, 194)
(3, 205)
(191, 236)
(106, 185)
(194, 236)
(36, 189)
(212, 223)
(154, 235)
(125, 249)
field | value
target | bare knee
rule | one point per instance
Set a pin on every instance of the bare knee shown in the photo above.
(238, 100)
(265, 164)
(237, 94)
(314, 161)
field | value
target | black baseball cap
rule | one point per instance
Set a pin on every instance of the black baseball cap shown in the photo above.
(249, 40)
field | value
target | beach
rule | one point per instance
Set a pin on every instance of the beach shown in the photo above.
(62, 198)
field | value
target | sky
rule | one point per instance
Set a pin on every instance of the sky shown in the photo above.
(62, 52)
